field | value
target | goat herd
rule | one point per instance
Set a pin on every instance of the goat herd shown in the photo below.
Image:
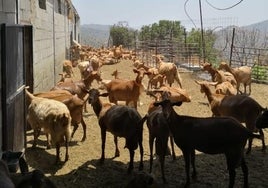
(55, 111)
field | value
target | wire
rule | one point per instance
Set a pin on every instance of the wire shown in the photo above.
(188, 14)
(224, 8)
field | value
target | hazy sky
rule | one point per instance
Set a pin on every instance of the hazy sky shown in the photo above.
(145, 12)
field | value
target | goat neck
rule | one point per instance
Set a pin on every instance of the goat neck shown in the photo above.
(95, 101)
(205, 89)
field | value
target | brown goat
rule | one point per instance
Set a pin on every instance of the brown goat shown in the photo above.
(212, 135)
(121, 121)
(80, 88)
(241, 107)
(74, 104)
(126, 90)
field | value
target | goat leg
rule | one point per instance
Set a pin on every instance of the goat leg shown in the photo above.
(172, 147)
(84, 129)
(194, 174)
(57, 153)
(67, 150)
(249, 145)
(231, 177)
(245, 172)
(117, 152)
(151, 141)
(75, 125)
(103, 138)
(186, 155)
(48, 141)
(263, 142)
(130, 166)
(141, 155)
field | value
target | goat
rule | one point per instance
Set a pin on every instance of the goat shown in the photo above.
(241, 107)
(74, 104)
(158, 125)
(67, 68)
(211, 135)
(242, 75)
(169, 70)
(5, 180)
(121, 121)
(153, 82)
(225, 88)
(126, 90)
(80, 87)
(218, 75)
(54, 117)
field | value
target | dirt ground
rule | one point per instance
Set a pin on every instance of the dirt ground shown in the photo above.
(83, 170)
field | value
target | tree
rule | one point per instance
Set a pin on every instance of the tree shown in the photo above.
(162, 30)
(194, 41)
(121, 34)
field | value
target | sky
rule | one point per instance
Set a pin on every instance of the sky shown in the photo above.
(145, 12)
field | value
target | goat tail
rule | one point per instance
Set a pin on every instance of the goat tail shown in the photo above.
(29, 95)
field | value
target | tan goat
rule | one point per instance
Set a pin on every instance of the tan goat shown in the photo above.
(169, 70)
(241, 74)
(74, 104)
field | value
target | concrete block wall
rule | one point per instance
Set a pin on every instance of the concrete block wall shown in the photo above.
(8, 11)
(51, 39)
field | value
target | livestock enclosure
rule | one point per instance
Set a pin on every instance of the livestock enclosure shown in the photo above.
(187, 55)
(84, 170)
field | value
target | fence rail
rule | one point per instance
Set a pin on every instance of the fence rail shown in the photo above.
(187, 55)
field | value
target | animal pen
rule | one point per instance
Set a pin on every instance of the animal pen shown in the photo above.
(187, 55)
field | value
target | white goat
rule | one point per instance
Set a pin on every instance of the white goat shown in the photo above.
(55, 119)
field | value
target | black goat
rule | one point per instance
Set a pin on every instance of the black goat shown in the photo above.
(241, 107)
(159, 131)
(121, 121)
(212, 135)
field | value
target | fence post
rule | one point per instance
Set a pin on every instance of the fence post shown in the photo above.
(232, 46)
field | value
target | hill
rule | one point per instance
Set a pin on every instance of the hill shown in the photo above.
(95, 35)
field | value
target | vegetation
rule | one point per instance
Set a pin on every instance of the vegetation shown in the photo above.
(260, 72)
(121, 34)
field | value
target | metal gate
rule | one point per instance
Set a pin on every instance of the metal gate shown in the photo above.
(16, 62)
